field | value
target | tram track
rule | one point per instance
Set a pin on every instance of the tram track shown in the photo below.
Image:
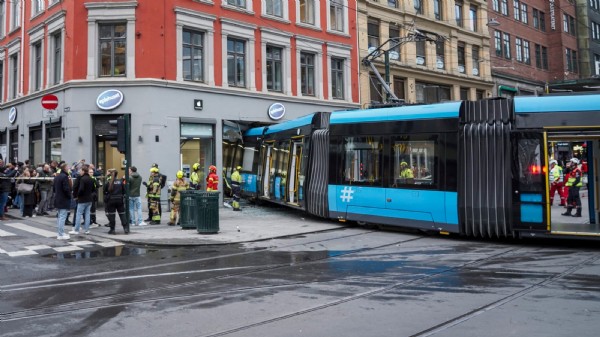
(77, 280)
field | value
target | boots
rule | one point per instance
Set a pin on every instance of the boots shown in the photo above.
(124, 223)
(111, 222)
(578, 213)
(568, 212)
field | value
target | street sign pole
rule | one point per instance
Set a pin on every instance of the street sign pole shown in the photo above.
(127, 118)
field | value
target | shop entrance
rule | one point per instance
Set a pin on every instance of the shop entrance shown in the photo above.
(106, 156)
(585, 147)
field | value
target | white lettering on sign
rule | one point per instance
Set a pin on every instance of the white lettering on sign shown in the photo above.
(108, 98)
(552, 16)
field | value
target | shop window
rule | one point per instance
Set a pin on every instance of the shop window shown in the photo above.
(13, 150)
(53, 142)
(197, 146)
(35, 145)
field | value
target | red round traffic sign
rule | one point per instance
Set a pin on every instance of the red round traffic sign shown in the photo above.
(50, 102)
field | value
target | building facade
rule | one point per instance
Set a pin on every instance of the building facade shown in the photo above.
(452, 68)
(588, 35)
(192, 74)
(534, 44)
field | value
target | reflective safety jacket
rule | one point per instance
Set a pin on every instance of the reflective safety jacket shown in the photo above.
(194, 180)
(236, 178)
(575, 178)
(406, 173)
(556, 174)
(154, 188)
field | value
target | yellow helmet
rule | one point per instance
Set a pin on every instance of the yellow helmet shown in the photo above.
(154, 170)
(179, 174)
(239, 168)
(403, 163)
(195, 166)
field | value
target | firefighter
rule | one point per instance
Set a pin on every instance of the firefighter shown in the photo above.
(556, 182)
(212, 181)
(195, 177)
(236, 188)
(574, 182)
(154, 195)
(179, 185)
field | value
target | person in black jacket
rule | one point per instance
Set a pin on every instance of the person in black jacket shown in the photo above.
(7, 172)
(113, 199)
(62, 199)
(84, 196)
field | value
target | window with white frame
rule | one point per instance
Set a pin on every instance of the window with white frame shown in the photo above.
(36, 66)
(55, 56)
(2, 17)
(192, 55)
(274, 8)
(274, 59)
(237, 3)
(236, 62)
(337, 15)
(495, 5)
(113, 53)
(13, 87)
(2, 80)
(15, 14)
(113, 49)
(310, 66)
(307, 74)
(306, 11)
(37, 6)
(337, 78)
(195, 35)
(506, 45)
(516, 11)
(504, 7)
(518, 50)
(524, 14)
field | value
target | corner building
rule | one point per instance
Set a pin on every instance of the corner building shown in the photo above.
(192, 74)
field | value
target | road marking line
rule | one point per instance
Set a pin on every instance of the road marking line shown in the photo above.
(39, 247)
(109, 244)
(5, 233)
(67, 249)
(31, 229)
(82, 243)
(2, 251)
(22, 253)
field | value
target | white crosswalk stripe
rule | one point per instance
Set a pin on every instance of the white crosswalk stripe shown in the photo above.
(31, 229)
(68, 246)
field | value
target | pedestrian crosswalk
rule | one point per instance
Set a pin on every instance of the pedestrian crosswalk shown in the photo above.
(15, 229)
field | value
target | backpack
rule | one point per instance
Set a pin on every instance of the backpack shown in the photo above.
(163, 180)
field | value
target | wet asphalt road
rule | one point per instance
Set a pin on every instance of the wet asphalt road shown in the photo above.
(347, 282)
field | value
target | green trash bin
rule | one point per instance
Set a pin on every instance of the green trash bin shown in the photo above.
(187, 209)
(207, 212)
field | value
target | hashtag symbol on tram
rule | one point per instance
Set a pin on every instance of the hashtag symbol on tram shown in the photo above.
(347, 194)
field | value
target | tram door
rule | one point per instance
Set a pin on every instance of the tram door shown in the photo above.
(562, 146)
(267, 169)
(295, 166)
(530, 209)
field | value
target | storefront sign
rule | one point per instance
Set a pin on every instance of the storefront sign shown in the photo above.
(109, 99)
(12, 115)
(276, 111)
(552, 16)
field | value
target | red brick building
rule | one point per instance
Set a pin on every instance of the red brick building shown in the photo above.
(533, 43)
(189, 72)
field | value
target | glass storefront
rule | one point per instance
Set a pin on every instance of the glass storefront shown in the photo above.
(53, 142)
(13, 150)
(197, 146)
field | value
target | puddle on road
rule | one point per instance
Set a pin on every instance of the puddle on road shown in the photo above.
(104, 252)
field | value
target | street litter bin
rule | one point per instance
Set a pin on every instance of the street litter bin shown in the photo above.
(207, 212)
(187, 209)
(199, 210)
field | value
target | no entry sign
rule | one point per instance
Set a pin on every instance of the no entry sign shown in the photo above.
(49, 102)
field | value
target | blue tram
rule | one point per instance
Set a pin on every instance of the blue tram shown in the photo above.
(471, 168)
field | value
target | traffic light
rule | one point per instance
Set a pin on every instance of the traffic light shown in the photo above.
(121, 133)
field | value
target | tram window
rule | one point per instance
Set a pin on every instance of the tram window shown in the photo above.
(250, 153)
(414, 162)
(362, 160)
(530, 163)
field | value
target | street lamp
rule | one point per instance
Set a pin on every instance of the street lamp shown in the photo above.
(493, 23)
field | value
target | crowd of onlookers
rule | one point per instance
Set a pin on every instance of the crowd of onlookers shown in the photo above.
(28, 187)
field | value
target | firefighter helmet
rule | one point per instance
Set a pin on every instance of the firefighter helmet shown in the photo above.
(154, 170)
(239, 168)
(196, 166)
(575, 161)
(553, 162)
(179, 174)
(212, 168)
